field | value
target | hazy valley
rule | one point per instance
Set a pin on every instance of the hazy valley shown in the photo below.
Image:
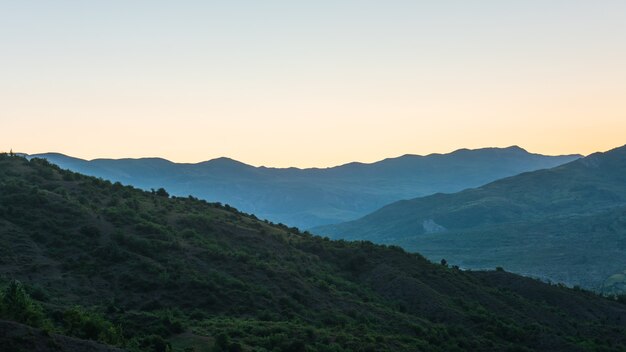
(311, 197)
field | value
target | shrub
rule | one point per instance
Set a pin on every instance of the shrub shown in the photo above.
(155, 343)
(17, 305)
(161, 192)
(89, 325)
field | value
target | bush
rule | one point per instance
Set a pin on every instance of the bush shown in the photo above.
(81, 323)
(90, 231)
(161, 192)
(155, 343)
(17, 305)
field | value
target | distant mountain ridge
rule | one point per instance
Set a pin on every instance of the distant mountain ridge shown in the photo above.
(567, 223)
(313, 197)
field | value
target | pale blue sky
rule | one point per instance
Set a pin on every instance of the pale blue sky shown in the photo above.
(316, 83)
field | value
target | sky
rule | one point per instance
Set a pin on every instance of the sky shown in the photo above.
(310, 83)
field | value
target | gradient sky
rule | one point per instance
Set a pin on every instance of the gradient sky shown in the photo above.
(310, 83)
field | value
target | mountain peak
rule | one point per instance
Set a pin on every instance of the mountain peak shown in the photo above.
(511, 149)
(223, 160)
(516, 148)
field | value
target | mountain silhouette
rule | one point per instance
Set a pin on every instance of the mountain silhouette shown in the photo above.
(312, 197)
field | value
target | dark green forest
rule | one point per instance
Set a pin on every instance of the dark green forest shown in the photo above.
(87, 258)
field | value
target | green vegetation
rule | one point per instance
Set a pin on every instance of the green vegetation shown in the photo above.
(564, 224)
(17, 305)
(148, 272)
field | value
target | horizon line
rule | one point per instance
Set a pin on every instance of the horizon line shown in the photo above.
(304, 168)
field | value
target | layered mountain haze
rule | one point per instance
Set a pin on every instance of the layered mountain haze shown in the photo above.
(566, 224)
(147, 272)
(312, 197)
(312, 176)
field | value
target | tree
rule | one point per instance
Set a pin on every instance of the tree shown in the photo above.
(84, 324)
(161, 192)
(444, 262)
(17, 305)
(222, 342)
(155, 343)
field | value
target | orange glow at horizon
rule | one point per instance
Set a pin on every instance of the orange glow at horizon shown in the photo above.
(311, 85)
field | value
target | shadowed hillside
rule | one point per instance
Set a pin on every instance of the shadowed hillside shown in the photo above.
(140, 270)
(567, 224)
(311, 197)
(19, 337)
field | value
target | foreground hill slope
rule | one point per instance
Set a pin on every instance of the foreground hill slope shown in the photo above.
(311, 197)
(132, 268)
(19, 337)
(567, 223)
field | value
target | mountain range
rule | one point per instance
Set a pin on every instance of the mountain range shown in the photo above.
(96, 260)
(312, 197)
(566, 224)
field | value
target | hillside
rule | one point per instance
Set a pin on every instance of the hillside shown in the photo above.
(16, 337)
(115, 264)
(567, 224)
(312, 197)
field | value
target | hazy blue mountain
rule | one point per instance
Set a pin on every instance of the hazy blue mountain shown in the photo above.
(311, 197)
(567, 224)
